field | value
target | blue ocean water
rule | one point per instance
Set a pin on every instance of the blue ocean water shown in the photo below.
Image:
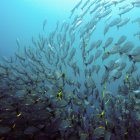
(21, 21)
(24, 19)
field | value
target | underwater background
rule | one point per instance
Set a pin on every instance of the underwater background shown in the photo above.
(23, 19)
(70, 70)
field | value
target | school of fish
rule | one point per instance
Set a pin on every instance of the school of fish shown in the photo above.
(80, 81)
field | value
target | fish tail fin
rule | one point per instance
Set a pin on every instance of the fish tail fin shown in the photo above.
(120, 53)
(114, 78)
(133, 4)
(106, 67)
(130, 57)
(115, 3)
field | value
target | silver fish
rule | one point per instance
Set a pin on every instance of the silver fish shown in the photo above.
(135, 58)
(136, 51)
(108, 4)
(90, 83)
(97, 54)
(91, 47)
(93, 68)
(76, 6)
(118, 1)
(123, 22)
(137, 5)
(137, 34)
(131, 69)
(90, 60)
(44, 24)
(127, 47)
(110, 66)
(105, 77)
(124, 6)
(105, 13)
(95, 8)
(106, 29)
(98, 44)
(108, 18)
(20, 57)
(135, 2)
(85, 4)
(117, 75)
(84, 13)
(114, 22)
(108, 42)
(136, 20)
(97, 68)
(121, 40)
(105, 55)
(72, 53)
(127, 9)
(115, 49)
(122, 66)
